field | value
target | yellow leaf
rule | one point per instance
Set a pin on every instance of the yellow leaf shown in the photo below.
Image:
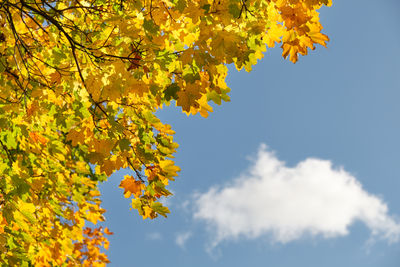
(148, 213)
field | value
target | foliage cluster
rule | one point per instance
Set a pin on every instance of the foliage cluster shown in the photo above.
(80, 82)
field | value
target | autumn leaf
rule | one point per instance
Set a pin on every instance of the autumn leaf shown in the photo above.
(131, 186)
(37, 138)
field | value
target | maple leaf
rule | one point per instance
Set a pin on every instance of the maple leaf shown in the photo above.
(77, 137)
(147, 212)
(37, 138)
(131, 186)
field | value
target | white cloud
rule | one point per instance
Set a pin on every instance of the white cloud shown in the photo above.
(181, 238)
(166, 201)
(154, 236)
(286, 203)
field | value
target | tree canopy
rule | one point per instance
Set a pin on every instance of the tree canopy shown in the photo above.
(80, 82)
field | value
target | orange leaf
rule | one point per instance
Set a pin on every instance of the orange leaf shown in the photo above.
(131, 186)
(37, 138)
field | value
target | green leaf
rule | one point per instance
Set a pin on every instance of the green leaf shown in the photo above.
(206, 7)
(2, 64)
(180, 6)
(124, 144)
(191, 78)
(149, 26)
(11, 244)
(154, 89)
(160, 209)
(234, 10)
(28, 215)
(10, 140)
(171, 92)
(215, 97)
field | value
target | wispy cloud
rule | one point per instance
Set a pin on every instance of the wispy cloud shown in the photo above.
(181, 238)
(286, 203)
(154, 236)
(167, 201)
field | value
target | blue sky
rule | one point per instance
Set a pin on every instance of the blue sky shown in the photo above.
(323, 190)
